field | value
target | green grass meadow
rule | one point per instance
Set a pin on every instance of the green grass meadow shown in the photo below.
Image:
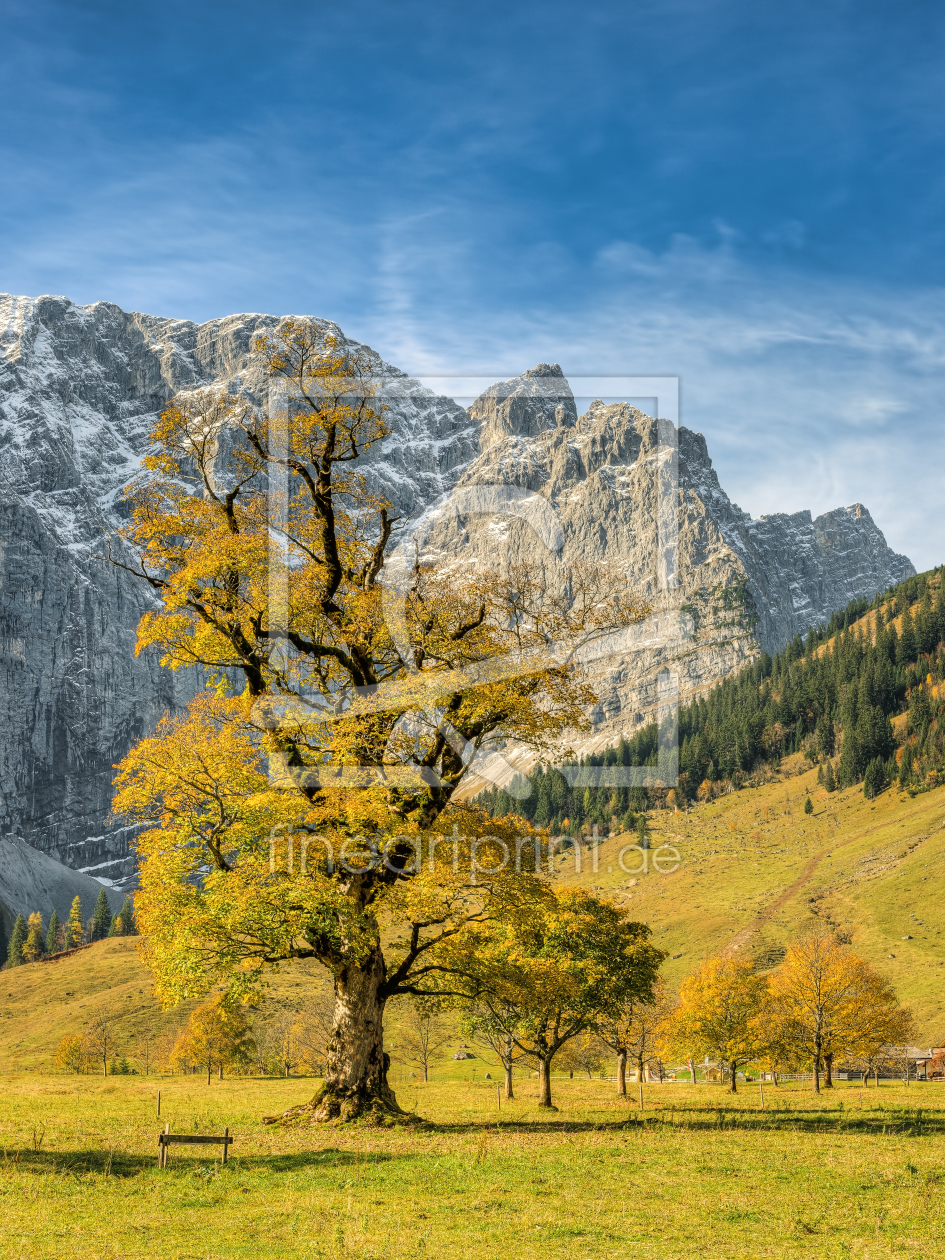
(854, 1173)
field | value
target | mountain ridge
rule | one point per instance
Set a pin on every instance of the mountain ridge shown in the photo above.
(79, 389)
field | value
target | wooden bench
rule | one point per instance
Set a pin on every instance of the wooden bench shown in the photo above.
(166, 1138)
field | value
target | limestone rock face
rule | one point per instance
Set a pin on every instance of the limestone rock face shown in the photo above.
(527, 406)
(79, 390)
(740, 586)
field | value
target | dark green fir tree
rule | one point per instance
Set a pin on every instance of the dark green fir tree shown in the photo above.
(125, 920)
(102, 919)
(17, 941)
(51, 933)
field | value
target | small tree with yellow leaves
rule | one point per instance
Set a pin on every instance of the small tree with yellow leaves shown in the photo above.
(719, 1015)
(35, 944)
(825, 1003)
(73, 1054)
(550, 970)
(216, 1036)
(75, 928)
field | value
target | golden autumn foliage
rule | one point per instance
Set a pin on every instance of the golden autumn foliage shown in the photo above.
(825, 1004)
(75, 929)
(549, 970)
(717, 1015)
(296, 812)
(216, 1036)
(73, 1054)
(34, 946)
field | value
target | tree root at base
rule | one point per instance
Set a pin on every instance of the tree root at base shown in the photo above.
(331, 1108)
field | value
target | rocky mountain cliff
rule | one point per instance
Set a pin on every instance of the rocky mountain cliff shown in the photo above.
(736, 585)
(79, 387)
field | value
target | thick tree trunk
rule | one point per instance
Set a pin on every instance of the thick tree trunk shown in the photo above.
(828, 1071)
(733, 1073)
(355, 1063)
(622, 1073)
(544, 1083)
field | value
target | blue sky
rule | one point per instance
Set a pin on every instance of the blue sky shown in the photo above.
(747, 194)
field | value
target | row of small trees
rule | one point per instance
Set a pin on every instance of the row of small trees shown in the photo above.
(552, 999)
(31, 939)
(218, 1035)
(823, 1006)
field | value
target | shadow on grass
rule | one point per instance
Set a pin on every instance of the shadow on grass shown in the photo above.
(919, 1122)
(121, 1164)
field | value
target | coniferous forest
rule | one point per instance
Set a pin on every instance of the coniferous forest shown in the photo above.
(834, 697)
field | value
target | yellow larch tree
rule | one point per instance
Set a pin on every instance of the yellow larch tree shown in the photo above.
(34, 946)
(75, 928)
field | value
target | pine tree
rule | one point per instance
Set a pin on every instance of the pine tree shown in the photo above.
(4, 943)
(52, 933)
(102, 919)
(17, 941)
(808, 806)
(830, 783)
(908, 645)
(875, 778)
(126, 916)
(75, 930)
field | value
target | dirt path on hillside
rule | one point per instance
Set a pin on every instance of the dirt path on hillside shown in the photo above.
(744, 936)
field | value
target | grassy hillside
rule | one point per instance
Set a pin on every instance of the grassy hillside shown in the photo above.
(40, 1003)
(756, 871)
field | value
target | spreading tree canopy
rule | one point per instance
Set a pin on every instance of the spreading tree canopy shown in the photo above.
(719, 1011)
(827, 1003)
(307, 798)
(552, 970)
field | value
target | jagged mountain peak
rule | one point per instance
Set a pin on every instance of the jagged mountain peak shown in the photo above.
(524, 406)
